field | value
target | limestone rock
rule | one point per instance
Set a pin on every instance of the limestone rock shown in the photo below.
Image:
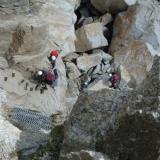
(71, 94)
(93, 109)
(15, 6)
(89, 37)
(130, 26)
(98, 86)
(88, 20)
(8, 142)
(85, 155)
(72, 70)
(138, 61)
(18, 95)
(3, 63)
(106, 68)
(71, 56)
(105, 19)
(88, 61)
(124, 74)
(113, 6)
(136, 39)
(29, 30)
(34, 32)
(105, 57)
(108, 115)
(140, 106)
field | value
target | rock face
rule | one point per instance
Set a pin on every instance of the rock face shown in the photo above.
(88, 61)
(72, 94)
(89, 37)
(122, 123)
(105, 57)
(5, 131)
(137, 60)
(18, 94)
(85, 155)
(15, 6)
(136, 39)
(27, 34)
(142, 111)
(113, 6)
(29, 30)
(33, 32)
(109, 115)
(98, 86)
(132, 27)
(73, 71)
(105, 19)
(94, 110)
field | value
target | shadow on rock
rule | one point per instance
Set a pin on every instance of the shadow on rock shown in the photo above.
(135, 134)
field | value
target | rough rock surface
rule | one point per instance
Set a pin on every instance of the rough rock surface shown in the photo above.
(105, 19)
(29, 30)
(85, 155)
(72, 94)
(97, 86)
(105, 57)
(48, 102)
(93, 110)
(110, 124)
(33, 31)
(141, 109)
(130, 26)
(88, 61)
(136, 39)
(5, 132)
(72, 70)
(108, 116)
(3, 63)
(136, 60)
(113, 6)
(70, 57)
(89, 37)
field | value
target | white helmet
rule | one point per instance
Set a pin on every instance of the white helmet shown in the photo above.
(53, 58)
(40, 73)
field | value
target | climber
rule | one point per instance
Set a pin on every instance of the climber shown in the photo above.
(46, 77)
(40, 78)
(51, 77)
(53, 56)
(114, 79)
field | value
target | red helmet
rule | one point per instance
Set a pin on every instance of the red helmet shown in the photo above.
(54, 53)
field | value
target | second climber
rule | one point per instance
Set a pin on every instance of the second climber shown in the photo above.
(53, 57)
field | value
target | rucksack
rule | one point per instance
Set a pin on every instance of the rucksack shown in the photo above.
(50, 76)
